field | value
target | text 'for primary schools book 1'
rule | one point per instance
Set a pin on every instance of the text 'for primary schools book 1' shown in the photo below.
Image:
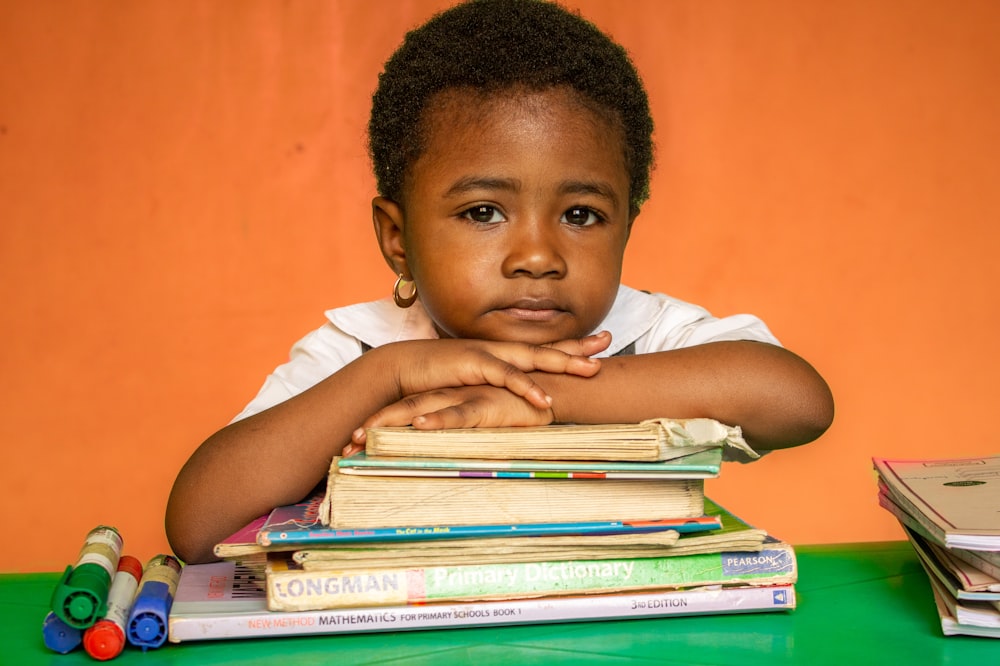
(227, 600)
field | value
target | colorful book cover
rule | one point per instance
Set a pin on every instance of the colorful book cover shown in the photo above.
(300, 524)
(290, 587)
(243, 542)
(227, 600)
(734, 535)
(700, 465)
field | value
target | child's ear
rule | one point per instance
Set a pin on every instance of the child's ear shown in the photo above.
(387, 216)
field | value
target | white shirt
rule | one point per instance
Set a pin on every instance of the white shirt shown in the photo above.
(654, 322)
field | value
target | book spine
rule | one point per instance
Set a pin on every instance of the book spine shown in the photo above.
(332, 535)
(193, 626)
(297, 589)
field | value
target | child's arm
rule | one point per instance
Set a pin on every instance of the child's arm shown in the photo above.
(277, 456)
(777, 398)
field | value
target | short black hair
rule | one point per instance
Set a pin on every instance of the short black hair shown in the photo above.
(493, 45)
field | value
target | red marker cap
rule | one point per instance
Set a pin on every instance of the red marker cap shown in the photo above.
(105, 640)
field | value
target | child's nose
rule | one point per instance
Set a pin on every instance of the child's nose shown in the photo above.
(534, 250)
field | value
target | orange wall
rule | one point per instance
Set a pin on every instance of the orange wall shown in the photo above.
(184, 190)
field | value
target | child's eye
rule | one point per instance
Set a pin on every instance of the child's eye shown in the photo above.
(581, 216)
(483, 214)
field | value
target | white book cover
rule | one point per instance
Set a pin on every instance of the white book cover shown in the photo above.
(987, 561)
(960, 496)
(226, 600)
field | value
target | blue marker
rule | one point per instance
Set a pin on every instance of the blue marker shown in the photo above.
(147, 624)
(59, 636)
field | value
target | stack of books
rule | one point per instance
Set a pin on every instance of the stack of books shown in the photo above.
(950, 511)
(550, 524)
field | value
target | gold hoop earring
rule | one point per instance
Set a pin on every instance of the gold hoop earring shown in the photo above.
(398, 298)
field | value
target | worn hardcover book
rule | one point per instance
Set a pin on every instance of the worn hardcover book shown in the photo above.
(652, 440)
(733, 535)
(379, 502)
(290, 587)
(959, 498)
(227, 600)
(243, 542)
(299, 526)
(700, 465)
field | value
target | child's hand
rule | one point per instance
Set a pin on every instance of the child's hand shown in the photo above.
(422, 366)
(463, 407)
(434, 364)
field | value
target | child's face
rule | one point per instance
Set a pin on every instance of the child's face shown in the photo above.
(515, 216)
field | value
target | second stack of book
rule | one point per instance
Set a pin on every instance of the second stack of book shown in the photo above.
(950, 511)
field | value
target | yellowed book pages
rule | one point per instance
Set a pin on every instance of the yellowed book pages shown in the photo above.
(373, 502)
(652, 440)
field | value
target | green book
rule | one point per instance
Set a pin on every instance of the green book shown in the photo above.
(290, 587)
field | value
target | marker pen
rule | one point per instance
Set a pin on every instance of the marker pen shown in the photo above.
(106, 639)
(59, 636)
(147, 624)
(81, 595)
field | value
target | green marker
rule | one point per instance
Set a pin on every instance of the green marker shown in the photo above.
(81, 597)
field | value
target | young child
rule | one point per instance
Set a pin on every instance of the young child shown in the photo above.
(511, 143)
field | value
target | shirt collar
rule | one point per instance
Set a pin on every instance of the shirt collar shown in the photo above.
(380, 322)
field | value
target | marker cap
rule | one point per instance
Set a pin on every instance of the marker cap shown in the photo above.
(148, 630)
(81, 596)
(105, 640)
(147, 624)
(59, 636)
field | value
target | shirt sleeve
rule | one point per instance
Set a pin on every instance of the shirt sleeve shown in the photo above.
(682, 324)
(311, 360)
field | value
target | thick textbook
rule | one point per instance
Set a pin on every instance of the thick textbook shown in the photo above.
(700, 465)
(652, 440)
(298, 525)
(374, 501)
(290, 587)
(733, 535)
(959, 498)
(227, 600)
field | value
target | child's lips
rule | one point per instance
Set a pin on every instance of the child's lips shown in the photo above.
(529, 309)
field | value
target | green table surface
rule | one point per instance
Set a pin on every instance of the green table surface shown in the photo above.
(867, 603)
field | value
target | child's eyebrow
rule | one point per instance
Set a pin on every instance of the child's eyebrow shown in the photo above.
(473, 183)
(596, 188)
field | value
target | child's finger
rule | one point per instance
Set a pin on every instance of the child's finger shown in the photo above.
(586, 346)
(529, 358)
